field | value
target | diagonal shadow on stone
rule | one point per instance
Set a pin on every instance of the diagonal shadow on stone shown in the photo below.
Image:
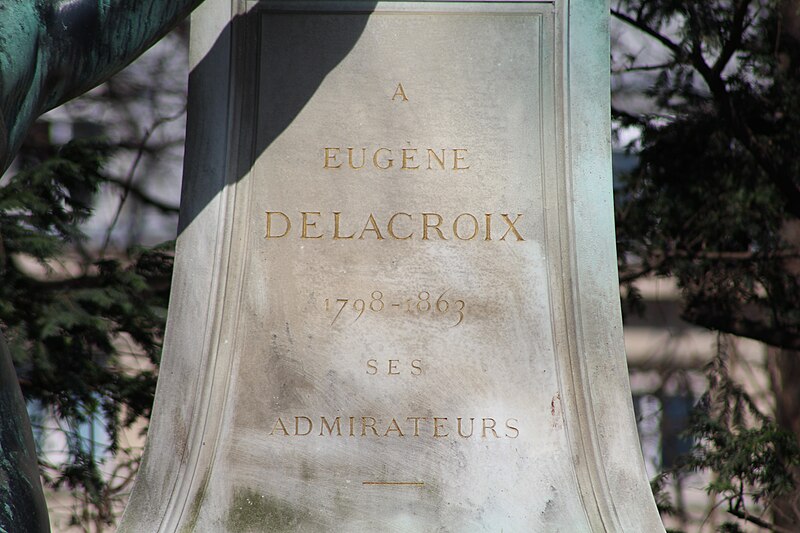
(312, 52)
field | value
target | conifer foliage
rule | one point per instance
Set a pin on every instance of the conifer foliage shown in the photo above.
(714, 203)
(67, 330)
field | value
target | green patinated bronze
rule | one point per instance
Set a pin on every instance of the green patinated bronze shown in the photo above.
(51, 51)
(22, 506)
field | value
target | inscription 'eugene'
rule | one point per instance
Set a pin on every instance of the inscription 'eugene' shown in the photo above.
(382, 158)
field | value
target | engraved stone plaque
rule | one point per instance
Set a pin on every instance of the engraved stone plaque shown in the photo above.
(395, 299)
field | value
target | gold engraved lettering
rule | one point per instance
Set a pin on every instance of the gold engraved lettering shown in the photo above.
(370, 425)
(330, 157)
(297, 426)
(459, 158)
(336, 225)
(408, 158)
(288, 222)
(461, 227)
(336, 423)
(390, 227)
(400, 92)
(394, 367)
(512, 428)
(374, 426)
(511, 226)
(372, 367)
(475, 227)
(471, 427)
(350, 158)
(383, 158)
(389, 161)
(439, 160)
(394, 483)
(416, 420)
(489, 424)
(307, 224)
(426, 226)
(437, 425)
(394, 427)
(374, 228)
(279, 424)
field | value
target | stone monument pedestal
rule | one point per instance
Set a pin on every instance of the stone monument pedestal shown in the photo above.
(395, 304)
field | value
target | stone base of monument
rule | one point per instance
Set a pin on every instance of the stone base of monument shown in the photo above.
(395, 303)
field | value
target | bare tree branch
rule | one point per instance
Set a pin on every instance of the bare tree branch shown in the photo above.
(646, 68)
(144, 197)
(641, 26)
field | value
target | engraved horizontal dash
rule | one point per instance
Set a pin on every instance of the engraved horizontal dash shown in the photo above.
(395, 483)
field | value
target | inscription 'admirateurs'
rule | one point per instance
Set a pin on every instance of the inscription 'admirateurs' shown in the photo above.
(399, 426)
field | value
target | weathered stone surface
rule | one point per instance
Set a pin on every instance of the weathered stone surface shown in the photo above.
(395, 303)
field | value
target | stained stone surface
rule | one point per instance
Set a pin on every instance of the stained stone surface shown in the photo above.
(395, 301)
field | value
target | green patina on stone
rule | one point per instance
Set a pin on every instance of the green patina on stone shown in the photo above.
(252, 512)
(196, 506)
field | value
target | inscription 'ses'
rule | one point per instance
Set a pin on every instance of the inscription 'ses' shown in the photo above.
(422, 304)
(394, 367)
(400, 226)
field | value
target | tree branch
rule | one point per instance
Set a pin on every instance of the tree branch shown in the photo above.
(758, 521)
(646, 68)
(779, 174)
(740, 129)
(629, 276)
(85, 281)
(144, 197)
(740, 326)
(735, 37)
(644, 28)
